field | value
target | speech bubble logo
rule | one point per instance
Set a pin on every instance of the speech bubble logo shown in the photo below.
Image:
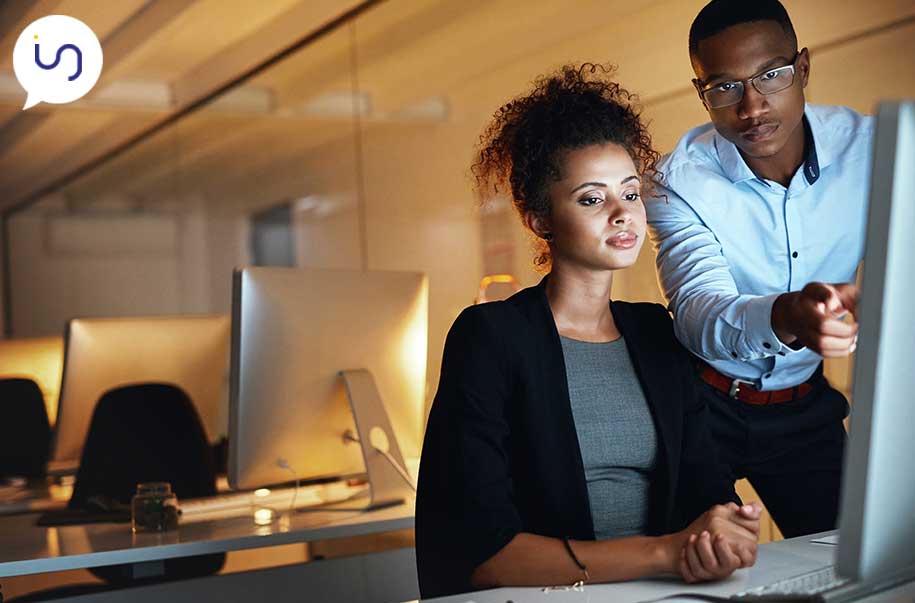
(57, 59)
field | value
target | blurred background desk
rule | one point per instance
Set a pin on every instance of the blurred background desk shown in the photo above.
(388, 574)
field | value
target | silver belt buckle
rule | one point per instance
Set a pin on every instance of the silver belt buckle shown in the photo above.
(735, 387)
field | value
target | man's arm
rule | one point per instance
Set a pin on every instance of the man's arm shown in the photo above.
(715, 321)
(711, 318)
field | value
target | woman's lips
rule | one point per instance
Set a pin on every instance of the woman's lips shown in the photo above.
(626, 240)
(759, 133)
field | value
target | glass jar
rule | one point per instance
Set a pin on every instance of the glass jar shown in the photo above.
(154, 508)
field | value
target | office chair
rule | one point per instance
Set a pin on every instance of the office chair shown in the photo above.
(25, 434)
(147, 432)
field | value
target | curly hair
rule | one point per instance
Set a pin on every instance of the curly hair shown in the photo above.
(520, 152)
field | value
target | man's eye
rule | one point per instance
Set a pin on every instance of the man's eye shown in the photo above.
(725, 86)
(770, 75)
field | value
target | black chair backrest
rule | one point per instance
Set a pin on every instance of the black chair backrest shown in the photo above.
(25, 434)
(148, 432)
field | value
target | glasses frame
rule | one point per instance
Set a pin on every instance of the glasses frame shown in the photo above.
(703, 88)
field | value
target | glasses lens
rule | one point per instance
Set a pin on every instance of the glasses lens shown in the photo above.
(775, 80)
(724, 94)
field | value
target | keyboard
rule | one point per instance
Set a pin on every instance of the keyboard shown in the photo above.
(17, 499)
(279, 500)
(812, 586)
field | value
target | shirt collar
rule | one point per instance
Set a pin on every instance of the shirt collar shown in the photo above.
(820, 135)
(735, 168)
(817, 153)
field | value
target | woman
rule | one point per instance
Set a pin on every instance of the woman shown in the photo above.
(566, 443)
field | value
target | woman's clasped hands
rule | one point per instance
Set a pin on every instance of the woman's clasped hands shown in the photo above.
(719, 541)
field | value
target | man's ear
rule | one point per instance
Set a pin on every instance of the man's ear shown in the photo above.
(803, 66)
(698, 86)
(537, 224)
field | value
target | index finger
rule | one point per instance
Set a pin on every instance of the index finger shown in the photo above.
(848, 295)
(835, 327)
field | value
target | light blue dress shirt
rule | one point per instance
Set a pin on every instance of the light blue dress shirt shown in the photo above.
(729, 243)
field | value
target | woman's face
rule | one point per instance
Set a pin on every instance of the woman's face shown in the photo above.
(598, 219)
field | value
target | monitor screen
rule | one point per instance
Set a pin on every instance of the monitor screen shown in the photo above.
(877, 525)
(293, 331)
(191, 352)
(39, 359)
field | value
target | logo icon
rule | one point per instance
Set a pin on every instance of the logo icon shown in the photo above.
(74, 69)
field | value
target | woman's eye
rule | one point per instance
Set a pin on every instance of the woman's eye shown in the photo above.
(590, 200)
(632, 196)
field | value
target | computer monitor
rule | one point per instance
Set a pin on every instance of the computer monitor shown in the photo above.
(191, 352)
(877, 523)
(39, 359)
(293, 332)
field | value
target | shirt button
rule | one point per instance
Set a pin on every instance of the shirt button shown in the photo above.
(767, 375)
(767, 345)
(781, 353)
(794, 255)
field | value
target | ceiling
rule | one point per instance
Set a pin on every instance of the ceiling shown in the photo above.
(397, 62)
(160, 56)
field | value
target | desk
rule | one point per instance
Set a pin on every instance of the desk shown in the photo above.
(28, 549)
(776, 560)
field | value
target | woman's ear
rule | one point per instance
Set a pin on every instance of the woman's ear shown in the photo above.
(539, 225)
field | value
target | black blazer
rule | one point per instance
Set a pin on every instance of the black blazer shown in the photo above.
(501, 453)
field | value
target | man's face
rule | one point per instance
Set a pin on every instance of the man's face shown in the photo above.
(760, 125)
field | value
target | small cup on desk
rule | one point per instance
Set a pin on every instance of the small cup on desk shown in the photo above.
(154, 508)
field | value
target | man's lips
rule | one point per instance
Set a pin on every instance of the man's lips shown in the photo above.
(759, 133)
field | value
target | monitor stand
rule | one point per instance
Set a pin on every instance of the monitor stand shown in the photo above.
(386, 485)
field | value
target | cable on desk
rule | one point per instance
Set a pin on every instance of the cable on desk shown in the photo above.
(691, 596)
(283, 464)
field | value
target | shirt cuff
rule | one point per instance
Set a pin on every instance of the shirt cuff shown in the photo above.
(758, 334)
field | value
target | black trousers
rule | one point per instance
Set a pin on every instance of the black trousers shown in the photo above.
(791, 453)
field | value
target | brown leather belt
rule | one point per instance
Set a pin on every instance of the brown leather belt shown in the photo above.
(745, 391)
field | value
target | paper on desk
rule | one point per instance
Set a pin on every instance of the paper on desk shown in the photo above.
(831, 539)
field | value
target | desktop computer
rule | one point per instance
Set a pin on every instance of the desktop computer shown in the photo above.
(191, 352)
(319, 360)
(876, 548)
(39, 359)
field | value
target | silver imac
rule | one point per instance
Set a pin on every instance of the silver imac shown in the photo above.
(191, 352)
(877, 522)
(39, 359)
(293, 332)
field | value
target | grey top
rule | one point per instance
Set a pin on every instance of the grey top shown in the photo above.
(616, 434)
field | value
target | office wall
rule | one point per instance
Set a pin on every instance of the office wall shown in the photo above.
(105, 262)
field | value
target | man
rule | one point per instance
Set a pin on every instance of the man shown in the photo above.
(759, 228)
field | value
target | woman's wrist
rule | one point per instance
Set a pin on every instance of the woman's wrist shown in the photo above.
(656, 554)
(667, 553)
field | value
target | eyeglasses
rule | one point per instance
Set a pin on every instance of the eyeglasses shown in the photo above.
(724, 94)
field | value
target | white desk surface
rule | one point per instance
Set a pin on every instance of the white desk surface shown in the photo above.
(28, 549)
(776, 560)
